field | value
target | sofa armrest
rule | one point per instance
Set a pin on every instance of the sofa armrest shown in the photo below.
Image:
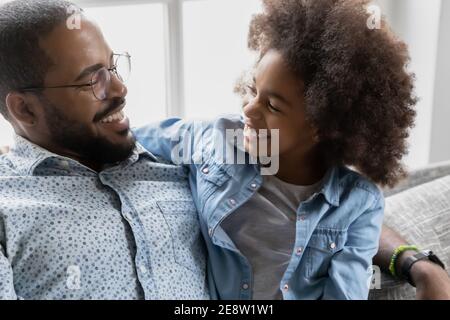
(420, 176)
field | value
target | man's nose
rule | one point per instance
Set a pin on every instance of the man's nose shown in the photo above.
(117, 88)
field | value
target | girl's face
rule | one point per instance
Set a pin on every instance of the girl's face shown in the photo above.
(275, 100)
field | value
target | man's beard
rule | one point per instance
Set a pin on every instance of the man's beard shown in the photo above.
(76, 137)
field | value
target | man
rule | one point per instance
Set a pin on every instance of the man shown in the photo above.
(85, 211)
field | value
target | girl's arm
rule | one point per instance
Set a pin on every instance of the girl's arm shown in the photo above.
(173, 139)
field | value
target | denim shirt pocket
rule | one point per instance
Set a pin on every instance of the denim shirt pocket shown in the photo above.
(323, 244)
(182, 220)
(211, 175)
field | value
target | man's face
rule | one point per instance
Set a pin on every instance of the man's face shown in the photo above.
(73, 120)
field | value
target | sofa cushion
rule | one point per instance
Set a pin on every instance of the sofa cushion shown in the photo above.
(422, 216)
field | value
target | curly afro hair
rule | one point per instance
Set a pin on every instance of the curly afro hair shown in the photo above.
(358, 92)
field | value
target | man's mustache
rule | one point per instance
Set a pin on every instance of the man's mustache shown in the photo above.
(115, 103)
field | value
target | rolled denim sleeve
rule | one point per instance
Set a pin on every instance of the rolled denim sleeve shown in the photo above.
(350, 271)
(173, 139)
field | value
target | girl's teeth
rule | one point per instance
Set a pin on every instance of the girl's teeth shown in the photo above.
(250, 132)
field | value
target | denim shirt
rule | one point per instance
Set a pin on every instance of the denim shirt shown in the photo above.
(337, 228)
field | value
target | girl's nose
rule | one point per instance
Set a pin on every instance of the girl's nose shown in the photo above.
(252, 109)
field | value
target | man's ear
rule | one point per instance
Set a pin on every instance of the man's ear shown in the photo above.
(21, 108)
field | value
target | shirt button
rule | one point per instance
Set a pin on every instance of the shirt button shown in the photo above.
(333, 245)
(64, 164)
(301, 218)
(254, 186)
(285, 287)
(299, 251)
(205, 170)
(127, 215)
(245, 286)
(232, 202)
(143, 269)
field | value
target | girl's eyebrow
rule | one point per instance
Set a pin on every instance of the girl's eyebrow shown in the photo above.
(275, 95)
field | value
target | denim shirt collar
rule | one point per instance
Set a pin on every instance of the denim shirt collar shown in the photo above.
(26, 157)
(330, 187)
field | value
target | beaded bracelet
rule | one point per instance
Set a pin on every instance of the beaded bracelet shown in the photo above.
(399, 250)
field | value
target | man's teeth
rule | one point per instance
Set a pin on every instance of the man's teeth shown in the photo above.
(118, 116)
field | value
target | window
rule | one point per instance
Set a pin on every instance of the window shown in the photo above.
(193, 72)
(215, 54)
(187, 55)
(6, 132)
(138, 29)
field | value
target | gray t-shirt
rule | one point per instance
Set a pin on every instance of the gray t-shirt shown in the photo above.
(263, 229)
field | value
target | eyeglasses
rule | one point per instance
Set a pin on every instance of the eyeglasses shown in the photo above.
(101, 79)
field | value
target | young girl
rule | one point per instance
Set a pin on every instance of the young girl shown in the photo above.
(340, 96)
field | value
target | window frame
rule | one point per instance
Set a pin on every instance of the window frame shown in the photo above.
(173, 47)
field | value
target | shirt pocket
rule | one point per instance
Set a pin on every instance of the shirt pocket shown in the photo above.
(211, 176)
(182, 220)
(324, 243)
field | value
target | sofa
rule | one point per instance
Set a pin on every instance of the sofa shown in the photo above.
(418, 209)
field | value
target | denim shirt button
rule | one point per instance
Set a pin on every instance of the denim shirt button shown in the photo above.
(253, 185)
(205, 170)
(245, 286)
(301, 218)
(143, 269)
(299, 251)
(232, 202)
(333, 246)
(286, 287)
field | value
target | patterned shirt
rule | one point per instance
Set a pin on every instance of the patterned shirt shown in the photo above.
(67, 232)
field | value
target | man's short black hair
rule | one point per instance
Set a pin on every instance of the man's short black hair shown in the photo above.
(22, 24)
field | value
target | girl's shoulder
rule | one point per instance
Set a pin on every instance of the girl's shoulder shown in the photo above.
(353, 182)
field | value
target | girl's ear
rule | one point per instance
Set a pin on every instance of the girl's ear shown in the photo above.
(21, 109)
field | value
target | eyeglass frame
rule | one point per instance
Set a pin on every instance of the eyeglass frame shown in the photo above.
(90, 84)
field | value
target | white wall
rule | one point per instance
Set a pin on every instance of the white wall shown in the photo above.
(417, 23)
(440, 133)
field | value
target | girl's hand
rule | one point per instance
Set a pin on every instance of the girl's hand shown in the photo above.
(4, 150)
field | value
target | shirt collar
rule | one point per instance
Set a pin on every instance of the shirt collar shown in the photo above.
(330, 187)
(26, 156)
